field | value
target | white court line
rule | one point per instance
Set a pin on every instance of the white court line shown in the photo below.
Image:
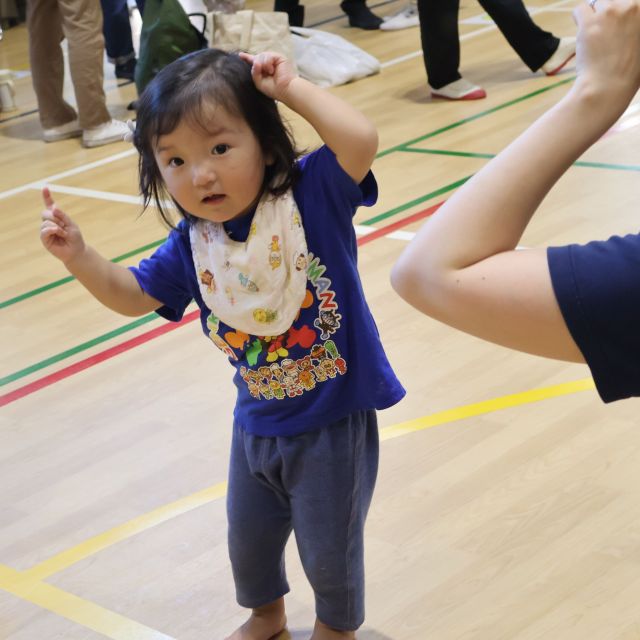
(38, 184)
(474, 34)
(363, 230)
(93, 193)
(407, 236)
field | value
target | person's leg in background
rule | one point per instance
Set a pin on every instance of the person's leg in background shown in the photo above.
(360, 15)
(358, 12)
(293, 9)
(117, 37)
(441, 50)
(44, 24)
(82, 26)
(536, 47)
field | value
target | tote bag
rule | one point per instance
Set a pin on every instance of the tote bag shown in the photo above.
(250, 31)
(328, 60)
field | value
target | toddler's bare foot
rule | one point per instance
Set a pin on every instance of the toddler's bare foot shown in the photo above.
(264, 623)
(322, 632)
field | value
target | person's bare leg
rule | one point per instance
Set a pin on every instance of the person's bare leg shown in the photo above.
(264, 623)
(322, 632)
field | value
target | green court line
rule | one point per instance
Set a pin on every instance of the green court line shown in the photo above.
(482, 114)
(57, 283)
(444, 152)
(77, 349)
(402, 147)
(420, 200)
(468, 154)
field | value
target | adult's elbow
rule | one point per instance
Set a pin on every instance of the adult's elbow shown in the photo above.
(404, 279)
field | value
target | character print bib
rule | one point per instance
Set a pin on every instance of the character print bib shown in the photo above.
(256, 286)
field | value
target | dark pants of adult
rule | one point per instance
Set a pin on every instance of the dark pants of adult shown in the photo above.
(441, 44)
(117, 30)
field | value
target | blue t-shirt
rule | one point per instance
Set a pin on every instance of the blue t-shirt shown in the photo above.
(597, 286)
(330, 363)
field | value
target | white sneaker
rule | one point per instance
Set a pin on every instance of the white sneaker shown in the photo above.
(112, 131)
(459, 90)
(68, 130)
(563, 54)
(404, 19)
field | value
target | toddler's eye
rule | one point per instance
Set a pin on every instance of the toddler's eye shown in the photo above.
(175, 162)
(219, 149)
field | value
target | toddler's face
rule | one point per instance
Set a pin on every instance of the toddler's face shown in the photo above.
(216, 174)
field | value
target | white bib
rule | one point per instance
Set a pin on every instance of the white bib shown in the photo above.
(256, 286)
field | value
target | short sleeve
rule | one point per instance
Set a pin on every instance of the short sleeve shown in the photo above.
(597, 286)
(322, 177)
(165, 275)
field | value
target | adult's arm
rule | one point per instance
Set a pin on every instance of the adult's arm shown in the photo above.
(463, 267)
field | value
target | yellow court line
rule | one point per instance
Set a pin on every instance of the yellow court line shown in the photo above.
(488, 406)
(147, 521)
(85, 613)
(129, 529)
(28, 584)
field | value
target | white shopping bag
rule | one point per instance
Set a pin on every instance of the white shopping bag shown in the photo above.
(328, 60)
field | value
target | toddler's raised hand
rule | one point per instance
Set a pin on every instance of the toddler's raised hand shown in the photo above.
(58, 233)
(271, 73)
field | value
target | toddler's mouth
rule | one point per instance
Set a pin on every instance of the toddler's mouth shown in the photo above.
(214, 198)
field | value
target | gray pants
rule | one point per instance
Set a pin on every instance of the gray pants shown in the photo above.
(318, 484)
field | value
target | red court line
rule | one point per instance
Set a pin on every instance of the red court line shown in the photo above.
(399, 224)
(127, 345)
(81, 365)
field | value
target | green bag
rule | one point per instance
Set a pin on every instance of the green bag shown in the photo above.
(166, 35)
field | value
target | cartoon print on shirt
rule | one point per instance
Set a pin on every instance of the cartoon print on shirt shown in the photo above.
(291, 378)
(328, 323)
(213, 324)
(276, 347)
(271, 372)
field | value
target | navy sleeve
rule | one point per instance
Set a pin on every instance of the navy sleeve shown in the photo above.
(167, 274)
(323, 175)
(597, 286)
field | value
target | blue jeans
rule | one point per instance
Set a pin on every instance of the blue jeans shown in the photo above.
(117, 30)
(318, 484)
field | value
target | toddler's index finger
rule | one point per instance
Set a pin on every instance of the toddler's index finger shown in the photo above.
(48, 200)
(247, 57)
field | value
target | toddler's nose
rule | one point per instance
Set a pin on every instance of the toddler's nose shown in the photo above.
(203, 175)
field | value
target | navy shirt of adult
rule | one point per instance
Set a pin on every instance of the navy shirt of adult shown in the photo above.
(330, 363)
(597, 286)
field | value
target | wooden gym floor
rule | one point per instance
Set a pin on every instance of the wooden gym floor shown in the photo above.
(507, 505)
